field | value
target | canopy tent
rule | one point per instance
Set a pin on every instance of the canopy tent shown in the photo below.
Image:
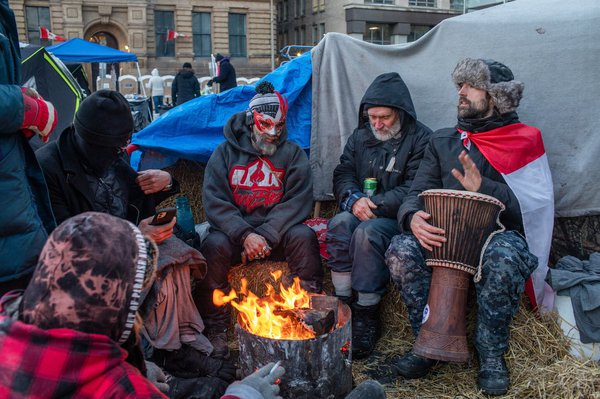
(51, 78)
(79, 50)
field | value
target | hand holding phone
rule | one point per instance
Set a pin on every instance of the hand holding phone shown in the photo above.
(163, 216)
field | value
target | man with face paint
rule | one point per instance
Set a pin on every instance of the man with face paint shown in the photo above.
(387, 145)
(257, 192)
(85, 169)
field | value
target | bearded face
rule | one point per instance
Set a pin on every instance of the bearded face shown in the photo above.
(473, 103)
(384, 122)
(264, 143)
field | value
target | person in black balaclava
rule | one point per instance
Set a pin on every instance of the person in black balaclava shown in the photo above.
(85, 168)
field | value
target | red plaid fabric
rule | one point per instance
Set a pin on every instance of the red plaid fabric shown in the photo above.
(60, 363)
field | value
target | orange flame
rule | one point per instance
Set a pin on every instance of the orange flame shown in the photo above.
(259, 315)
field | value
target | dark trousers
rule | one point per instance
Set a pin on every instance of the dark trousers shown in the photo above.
(359, 247)
(17, 284)
(299, 247)
(507, 264)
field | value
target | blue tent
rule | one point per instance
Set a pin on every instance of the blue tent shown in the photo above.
(193, 130)
(78, 50)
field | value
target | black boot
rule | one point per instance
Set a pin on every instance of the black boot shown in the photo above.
(188, 362)
(366, 330)
(493, 378)
(411, 366)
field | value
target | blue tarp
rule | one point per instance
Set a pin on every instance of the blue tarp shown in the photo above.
(194, 129)
(78, 50)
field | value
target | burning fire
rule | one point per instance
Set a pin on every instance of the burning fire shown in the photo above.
(264, 316)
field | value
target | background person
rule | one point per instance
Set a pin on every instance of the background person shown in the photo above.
(156, 84)
(185, 86)
(226, 77)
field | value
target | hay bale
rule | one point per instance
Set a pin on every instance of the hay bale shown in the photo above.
(258, 274)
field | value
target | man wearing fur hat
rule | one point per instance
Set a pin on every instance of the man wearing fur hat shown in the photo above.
(85, 170)
(387, 145)
(257, 192)
(465, 157)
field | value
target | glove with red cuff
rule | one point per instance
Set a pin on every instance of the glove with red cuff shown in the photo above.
(39, 116)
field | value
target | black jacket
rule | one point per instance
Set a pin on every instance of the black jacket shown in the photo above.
(245, 192)
(365, 156)
(441, 157)
(226, 78)
(185, 87)
(70, 191)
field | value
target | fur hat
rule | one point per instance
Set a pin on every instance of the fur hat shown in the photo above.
(104, 119)
(492, 76)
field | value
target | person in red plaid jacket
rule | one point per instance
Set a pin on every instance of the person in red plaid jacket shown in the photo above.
(61, 337)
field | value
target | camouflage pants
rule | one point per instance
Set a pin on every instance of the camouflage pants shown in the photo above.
(507, 264)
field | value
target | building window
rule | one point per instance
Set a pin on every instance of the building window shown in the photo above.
(164, 21)
(285, 10)
(201, 34)
(379, 1)
(37, 17)
(321, 5)
(422, 3)
(279, 12)
(303, 35)
(237, 35)
(457, 4)
(315, 35)
(378, 34)
(315, 6)
(416, 31)
(302, 8)
(321, 30)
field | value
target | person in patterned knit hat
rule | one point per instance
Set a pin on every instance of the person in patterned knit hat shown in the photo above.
(257, 192)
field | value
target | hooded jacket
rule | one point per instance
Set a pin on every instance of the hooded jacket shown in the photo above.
(156, 84)
(245, 192)
(26, 218)
(394, 162)
(227, 77)
(185, 86)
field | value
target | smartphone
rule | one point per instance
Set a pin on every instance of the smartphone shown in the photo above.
(163, 216)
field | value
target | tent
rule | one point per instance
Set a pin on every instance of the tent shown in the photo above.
(79, 50)
(51, 78)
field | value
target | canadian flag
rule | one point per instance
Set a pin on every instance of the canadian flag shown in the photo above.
(517, 152)
(172, 35)
(45, 34)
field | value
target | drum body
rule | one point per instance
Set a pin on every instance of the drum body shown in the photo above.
(468, 218)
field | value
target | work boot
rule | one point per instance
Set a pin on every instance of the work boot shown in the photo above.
(411, 366)
(366, 330)
(493, 378)
(218, 339)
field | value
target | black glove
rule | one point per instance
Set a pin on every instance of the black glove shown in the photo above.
(196, 388)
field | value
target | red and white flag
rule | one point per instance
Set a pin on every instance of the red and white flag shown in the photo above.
(172, 35)
(517, 152)
(45, 34)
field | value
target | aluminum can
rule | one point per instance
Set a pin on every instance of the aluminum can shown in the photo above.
(370, 186)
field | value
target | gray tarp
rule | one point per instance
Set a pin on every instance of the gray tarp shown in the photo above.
(553, 46)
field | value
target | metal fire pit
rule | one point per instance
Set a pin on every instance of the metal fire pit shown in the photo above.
(315, 368)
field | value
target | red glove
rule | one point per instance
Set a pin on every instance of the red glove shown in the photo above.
(39, 116)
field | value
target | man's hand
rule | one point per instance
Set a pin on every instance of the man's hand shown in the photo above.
(429, 236)
(256, 247)
(157, 233)
(153, 180)
(362, 209)
(471, 180)
(157, 377)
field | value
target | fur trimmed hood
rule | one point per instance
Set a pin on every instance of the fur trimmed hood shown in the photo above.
(494, 77)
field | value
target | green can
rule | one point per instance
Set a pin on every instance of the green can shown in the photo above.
(370, 186)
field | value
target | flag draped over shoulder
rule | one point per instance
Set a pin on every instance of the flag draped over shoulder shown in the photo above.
(517, 152)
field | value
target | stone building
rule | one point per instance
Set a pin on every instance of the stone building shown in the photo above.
(304, 22)
(239, 29)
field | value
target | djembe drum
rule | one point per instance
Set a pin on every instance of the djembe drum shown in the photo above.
(469, 220)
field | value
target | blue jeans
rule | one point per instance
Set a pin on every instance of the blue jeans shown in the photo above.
(158, 102)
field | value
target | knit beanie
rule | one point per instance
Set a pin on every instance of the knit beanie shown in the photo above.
(187, 65)
(269, 102)
(492, 76)
(104, 119)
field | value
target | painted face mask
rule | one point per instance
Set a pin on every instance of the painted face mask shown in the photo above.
(266, 124)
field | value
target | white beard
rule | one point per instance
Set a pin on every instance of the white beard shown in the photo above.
(264, 147)
(386, 133)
